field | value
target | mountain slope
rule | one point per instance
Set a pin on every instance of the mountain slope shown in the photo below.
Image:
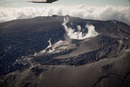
(47, 48)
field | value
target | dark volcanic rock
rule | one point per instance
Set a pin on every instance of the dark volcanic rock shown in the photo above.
(21, 39)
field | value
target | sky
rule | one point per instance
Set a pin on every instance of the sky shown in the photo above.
(87, 9)
(19, 3)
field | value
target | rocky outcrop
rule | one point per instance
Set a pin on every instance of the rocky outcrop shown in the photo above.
(27, 59)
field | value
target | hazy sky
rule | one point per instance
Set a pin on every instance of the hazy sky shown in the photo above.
(9, 3)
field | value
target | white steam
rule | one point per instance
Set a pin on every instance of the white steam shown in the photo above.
(82, 11)
(64, 45)
(48, 48)
(79, 35)
(54, 48)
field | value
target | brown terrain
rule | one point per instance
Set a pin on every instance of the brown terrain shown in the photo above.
(38, 52)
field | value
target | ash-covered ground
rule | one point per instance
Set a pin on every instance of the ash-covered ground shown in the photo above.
(57, 51)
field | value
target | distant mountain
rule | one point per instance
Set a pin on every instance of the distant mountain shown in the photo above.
(66, 51)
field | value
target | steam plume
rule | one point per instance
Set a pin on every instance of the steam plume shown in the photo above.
(79, 34)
